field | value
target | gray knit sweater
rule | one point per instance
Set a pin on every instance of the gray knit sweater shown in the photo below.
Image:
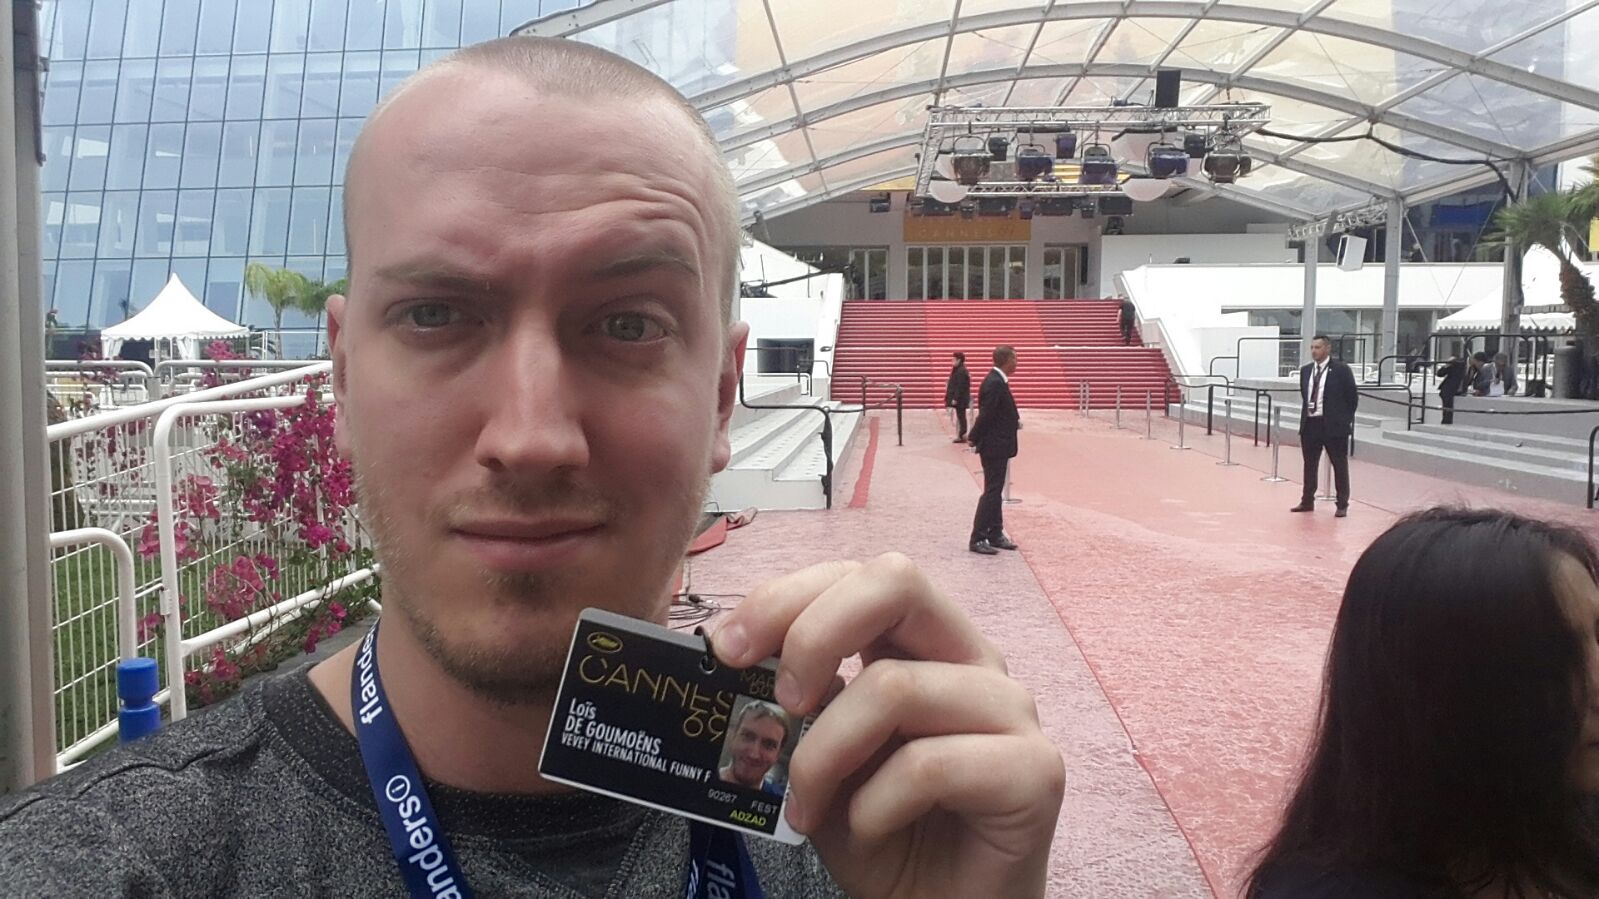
(265, 795)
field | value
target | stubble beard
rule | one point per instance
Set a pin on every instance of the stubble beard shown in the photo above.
(518, 675)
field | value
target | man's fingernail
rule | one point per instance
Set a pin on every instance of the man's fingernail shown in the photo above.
(788, 690)
(731, 642)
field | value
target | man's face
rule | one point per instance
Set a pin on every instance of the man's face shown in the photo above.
(533, 378)
(1320, 350)
(755, 749)
(1008, 366)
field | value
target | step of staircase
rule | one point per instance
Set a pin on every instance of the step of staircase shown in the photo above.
(777, 459)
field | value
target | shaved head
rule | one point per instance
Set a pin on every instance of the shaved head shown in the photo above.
(553, 67)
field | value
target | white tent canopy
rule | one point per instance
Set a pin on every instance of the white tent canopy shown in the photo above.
(173, 315)
(1543, 312)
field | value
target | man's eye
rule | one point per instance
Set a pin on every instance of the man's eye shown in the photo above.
(631, 327)
(430, 315)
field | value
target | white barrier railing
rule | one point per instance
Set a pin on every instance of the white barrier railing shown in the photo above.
(103, 478)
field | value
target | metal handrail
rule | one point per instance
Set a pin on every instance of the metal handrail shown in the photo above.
(899, 404)
(827, 434)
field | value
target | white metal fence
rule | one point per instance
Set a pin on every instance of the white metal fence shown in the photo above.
(237, 516)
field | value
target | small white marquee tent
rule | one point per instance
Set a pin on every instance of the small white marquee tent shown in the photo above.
(176, 316)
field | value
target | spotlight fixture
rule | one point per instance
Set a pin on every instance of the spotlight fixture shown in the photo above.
(1166, 161)
(880, 203)
(968, 209)
(1024, 209)
(1196, 145)
(995, 207)
(1056, 205)
(1089, 208)
(1114, 226)
(998, 147)
(1066, 144)
(1032, 162)
(971, 164)
(1228, 161)
(1098, 166)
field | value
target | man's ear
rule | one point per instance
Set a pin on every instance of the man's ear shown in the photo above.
(738, 335)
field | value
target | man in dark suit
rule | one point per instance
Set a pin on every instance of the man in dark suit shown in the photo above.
(958, 395)
(1129, 318)
(1453, 375)
(994, 436)
(1326, 420)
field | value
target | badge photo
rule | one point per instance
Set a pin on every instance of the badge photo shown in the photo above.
(646, 715)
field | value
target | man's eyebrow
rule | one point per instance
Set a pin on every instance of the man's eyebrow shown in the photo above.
(437, 277)
(649, 260)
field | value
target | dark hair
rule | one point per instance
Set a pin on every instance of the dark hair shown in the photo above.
(1323, 338)
(1455, 693)
(1003, 354)
(1480, 356)
(960, 357)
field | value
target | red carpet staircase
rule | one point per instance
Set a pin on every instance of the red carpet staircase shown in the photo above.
(1059, 345)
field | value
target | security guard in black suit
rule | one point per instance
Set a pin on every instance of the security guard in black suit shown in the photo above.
(994, 436)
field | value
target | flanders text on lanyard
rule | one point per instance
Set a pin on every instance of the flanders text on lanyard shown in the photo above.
(719, 865)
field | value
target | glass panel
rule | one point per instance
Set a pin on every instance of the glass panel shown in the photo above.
(192, 236)
(918, 62)
(1290, 117)
(224, 285)
(155, 223)
(402, 25)
(1141, 40)
(61, 93)
(974, 274)
(1066, 41)
(73, 286)
(1221, 46)
(57, 158)
(397, 66)
(805, 33)
(289, 24)
(877, 274)
(126, 166)
(105, 30)
(89, 157)
(73, 21)
(201, 150)
(441, 23)
(283, 76)
(179, 20)
(252, 26)
(231, 230)
(1562, 51)
(955, 273)
(321, 95)
(256, 312)
(216, 27)
(915, 289)
(1499, 112)
(276, 165)
(336, 269)
(693, 45)
(1303, 190)
(246, 84)
(208, 98)
(269, 222)
(480, 21)
(163, 156)
(360, 91)
(884, 164)
(239, 143)
(110, 299)
(1469, 25)
(935, 273)
(838, 133)
(1364, 72)
(1018, 273)
(149, 276)
(308, 222)
(336, 224)
(1053, 272)
(53, 206)
(172, 90)
(99, 92)
(143, 31)
(327, 25)
(348, 130)
(191, 272)
(365, 28)
(315, 156)
(119, 217)
(514, 13)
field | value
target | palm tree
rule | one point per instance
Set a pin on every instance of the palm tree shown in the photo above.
(315, 300)
(281, 288)
(1558, 222)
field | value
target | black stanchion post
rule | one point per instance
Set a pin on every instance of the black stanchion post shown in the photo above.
(899, 413)
(1210, 409)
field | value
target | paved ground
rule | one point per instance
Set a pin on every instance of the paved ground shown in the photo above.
(1168, 613)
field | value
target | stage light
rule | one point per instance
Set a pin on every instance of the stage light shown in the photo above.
(998, 147)
(971, 163)
(1166, 161)
(1024, 208)
(1065, 145)
(1098, 167)
(1032, 162)
(968, 209)
(1196, 145)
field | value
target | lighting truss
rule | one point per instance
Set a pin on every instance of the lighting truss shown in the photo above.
(946, 123)
(1374, 213)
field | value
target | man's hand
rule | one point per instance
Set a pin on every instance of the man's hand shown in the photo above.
(927, 776)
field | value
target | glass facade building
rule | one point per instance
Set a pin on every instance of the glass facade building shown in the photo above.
(195, 136)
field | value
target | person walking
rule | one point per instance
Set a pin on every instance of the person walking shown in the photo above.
(1326, 419)
(958, 395)
(994, 436)
(1129, 318)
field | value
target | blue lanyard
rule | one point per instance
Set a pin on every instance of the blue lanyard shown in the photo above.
(719, 864)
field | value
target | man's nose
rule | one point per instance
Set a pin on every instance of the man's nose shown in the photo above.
(533, 418)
